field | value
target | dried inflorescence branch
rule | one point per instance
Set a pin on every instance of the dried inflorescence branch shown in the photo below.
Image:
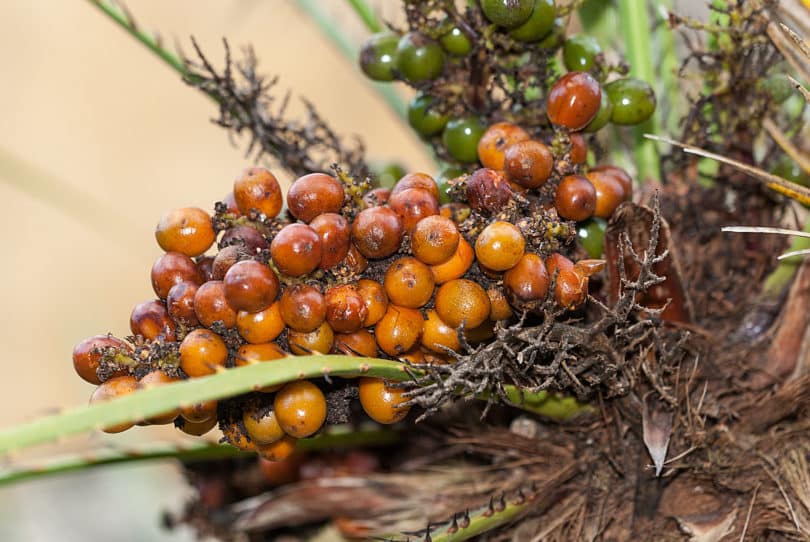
(247, 104)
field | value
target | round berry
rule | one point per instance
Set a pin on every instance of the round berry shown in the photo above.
(250, 286)
(602, 116)
(571, 286)
(358, 343)
(225, 259)
(335, 234)
(159, 378)
(609, 192)
(248, 238)
(230, 204)
(398, 330)
(300, 408)
(345, 309)
(500, 246)
(378, 56)
(202, 352)
(461, 136)
(527, 282)
(196, 429)
(456, 266)
(495, 141)
(315, 194)
(187, 230)
(417, 180)
(507, 13)
(382, 403)
(591, 234)
(424, 117)
(258, 189)
(580, 52)
(112, 389)
(374, 198)
(540, 23)
(409, 283)
(579, 149)
(319, 341)
(620, 175)
(377, 232)
(355, 262)
(211, 305)
(528, 163)
(419, 58)
(150, 320)
(412, 205)
(456, 42)
(180, 303)
(499, 304)
(434, 239)
(375, 300)
(488, 191)
(173, 268)
(575, 198)
(279, 450)
(205, 265)
(574, 100)
(262, 425)
(302, 307)
(462, 302)
(437, 335)
(260, 327)
(296, 250)
(200, 412)
(88, 353)
(633, 101)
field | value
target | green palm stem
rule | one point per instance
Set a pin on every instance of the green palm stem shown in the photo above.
(367, 15)
(781, 277)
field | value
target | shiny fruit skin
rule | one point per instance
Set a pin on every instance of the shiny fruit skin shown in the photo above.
(580, 52)
(419, 58)
(571, 286)
(250, 286)
(205, 266)
(187, 230)
(409, 283)
(462, 302)
(373, 198)
(412, 205)
(528, 163)
(377, 232)
(456, 42)
(315, 194)
(345, 308)
(257, 188)
(488, 191)
(399, 330)
(354, 261)
(300, 408)
(202, 353)
(527, 283)
(497, 138)
(633, 101)
(591, 235)
(151, 320)
(211, 305)
(382, 403)
(602, 116)
(320, 341)
(417, 180)
(437, 335)
(249, 239)
(574, 100)
(279, 450)
(262, 426)
(461, 136)
(500, 246)
(112, 389)
(196, 429)
(575, 198)
(230, 204)
(159, 378)
(199, 412)
(225, 259)
(296, 250)
(378, 56)
(620, 175)
(88, 353)
(260, 327)
(456, 266)
(540, 23)
(359, 343)
(375, 300)
(579, 149)
(302, 307)
(170, 269)
(499, 304)
(609, 193)
(335, 234)
(425, 119)
(434, 240)
(507, 13)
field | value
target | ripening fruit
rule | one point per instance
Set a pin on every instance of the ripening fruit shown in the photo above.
(540, 23)
(258, 189)
(261, 425)
(173, 268)
(375, 300)
(507, 13)
(378, 56)
(591, 235)
(500, 246)
(409, 283)
(158, 378)
(575, 198)
(417, 180)
(580, 52)
(302, 307)
(151, 320)
(187, 230)
(528, 163)
(488, 191)
(375, 197)
(456, 42)
(315, 194)
(461, 136)
(609, 192)
(462, 302)
(382, 403)
(571, 287)
(196, 429)
(260, 327)
(499, 305)
(279, 450)
(620, 175)
(296, 250)
(211, 305)
(574, 100)
(526, 284)
(180, 303)
(249, 239)
(398, 330)
(434, 240)
(112, 389)
(419, 58)
(318, 341)
(202, 353)
(88, 353)
(235, 436)
(633, 101)
(493, 144)
(412, 205)
(200, 412)
(300, 408)
(250, 286)
(205, 266)
(230, 204)
(377, 232)
(358, 343)
(345, 308)
(456, 266)
(225, 259)
(424, 117)
(335, 234)
(579, 149)
(602, 116)
(437, 335)
(355, 262)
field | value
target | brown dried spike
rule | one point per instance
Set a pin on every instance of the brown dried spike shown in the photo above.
(636, 222)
